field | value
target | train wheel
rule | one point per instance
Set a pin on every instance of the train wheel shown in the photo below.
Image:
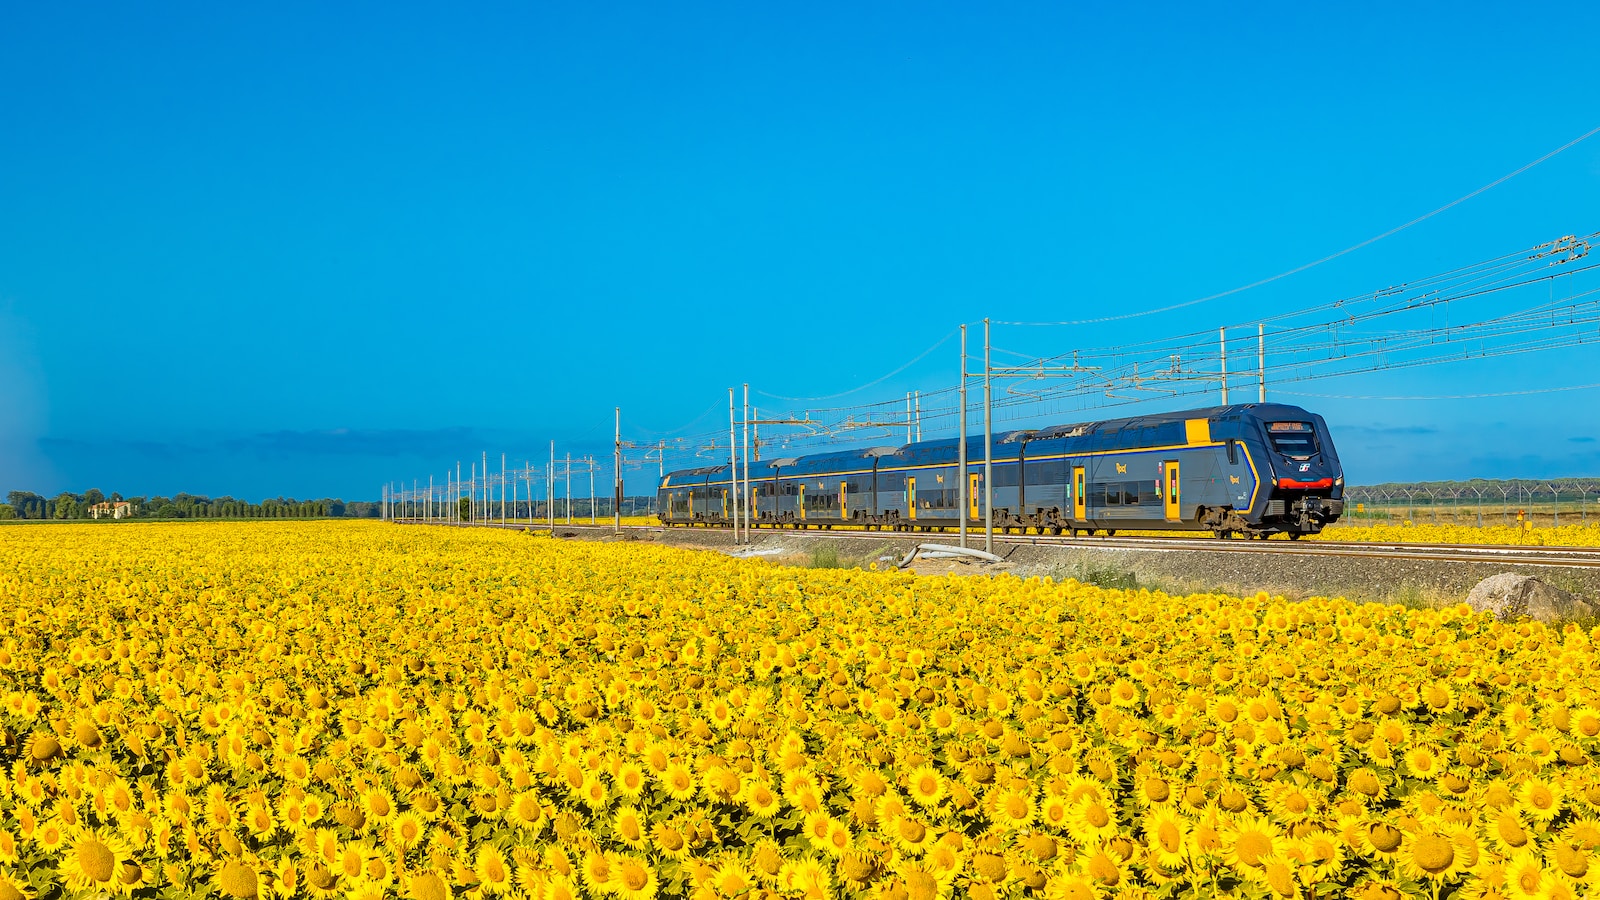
(1295, 535)
(1111, 532)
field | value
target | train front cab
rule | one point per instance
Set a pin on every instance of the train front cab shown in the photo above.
(1304, 479)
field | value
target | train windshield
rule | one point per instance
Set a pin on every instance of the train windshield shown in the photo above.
(1294, 439)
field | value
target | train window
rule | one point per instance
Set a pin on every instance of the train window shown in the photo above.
(1113, 495)
(1045, 472)
(1294, 439)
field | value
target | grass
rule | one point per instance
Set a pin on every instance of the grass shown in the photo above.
(825, 557)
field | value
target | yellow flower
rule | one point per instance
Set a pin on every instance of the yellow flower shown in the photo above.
(925, 786)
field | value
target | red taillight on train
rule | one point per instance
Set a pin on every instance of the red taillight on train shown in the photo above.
(1304, 485)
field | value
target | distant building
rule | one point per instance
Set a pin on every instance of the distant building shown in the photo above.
(119, 510)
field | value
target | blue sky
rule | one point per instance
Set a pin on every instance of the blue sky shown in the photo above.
(303, 250)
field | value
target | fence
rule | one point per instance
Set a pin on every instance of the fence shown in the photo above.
(1543, 503)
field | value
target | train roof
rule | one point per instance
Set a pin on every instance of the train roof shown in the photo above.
(805, 464)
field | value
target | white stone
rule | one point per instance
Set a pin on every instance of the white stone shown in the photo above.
(1510, 596)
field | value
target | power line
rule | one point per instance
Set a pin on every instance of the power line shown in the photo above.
(1332, 256)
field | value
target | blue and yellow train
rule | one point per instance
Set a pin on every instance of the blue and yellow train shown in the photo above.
(1246, 470)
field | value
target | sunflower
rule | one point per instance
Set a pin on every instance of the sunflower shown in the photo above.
(1574, 861)
(238, 879)
(838, 840)
(945, 861)
(259, 821)
(14, 886)
(1525, 875)
(1539, 799)
(766, 860)
(1289, 803)
(805, 876)
(1090, 820)
(669, 840)
(678, 782)
(90, 859)
(909, 835)
(1366, 782)
(377, 804)
(628, 779)
(1248, 838)
(1012, 809)
(634, 879)
(1103, 864)
(731, 878)
(1325, 854)
(1166, 837)
(426, 885)
(759, 797)
(629, 827)
(51, 834)
(1055, 812)
(1423, 762)
(1279, 875)
(596, 871)
(1430, 854)
(925, 786)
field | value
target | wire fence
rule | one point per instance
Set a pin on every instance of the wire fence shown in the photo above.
(1541, 503)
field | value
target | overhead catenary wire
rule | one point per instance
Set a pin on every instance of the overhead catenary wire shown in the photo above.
(1332, 256)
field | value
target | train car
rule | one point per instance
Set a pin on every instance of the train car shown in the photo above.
(1245, 470)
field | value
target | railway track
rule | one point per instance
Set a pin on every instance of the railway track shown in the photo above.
(1566, 557)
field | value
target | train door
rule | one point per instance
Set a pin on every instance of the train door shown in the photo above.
(800, 502)
(911, 495)
(1080, 494)
(725, 504)
(974, 492)
(1170, 496)
(844, 499)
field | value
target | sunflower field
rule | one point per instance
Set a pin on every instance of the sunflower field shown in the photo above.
(360, 710)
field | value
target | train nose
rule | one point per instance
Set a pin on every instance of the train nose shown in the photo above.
(1306, 475)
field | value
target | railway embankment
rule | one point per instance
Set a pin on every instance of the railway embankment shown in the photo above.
(1415, 577)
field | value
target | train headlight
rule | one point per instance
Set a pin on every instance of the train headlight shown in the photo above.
(1339, 482)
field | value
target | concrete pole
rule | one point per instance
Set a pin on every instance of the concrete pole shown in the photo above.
(988, 448)
(550, 484)
(616, 492)
(745, 494)
(502, 487)
(1222, 344)
(961, 443)
(591, 491)
(916, 401)
(733, 470)
(909, 438)
(1261, 360)
(569, 487)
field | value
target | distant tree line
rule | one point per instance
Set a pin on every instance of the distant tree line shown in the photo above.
(67, 505)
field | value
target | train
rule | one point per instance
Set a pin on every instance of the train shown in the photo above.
(1246, 470)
